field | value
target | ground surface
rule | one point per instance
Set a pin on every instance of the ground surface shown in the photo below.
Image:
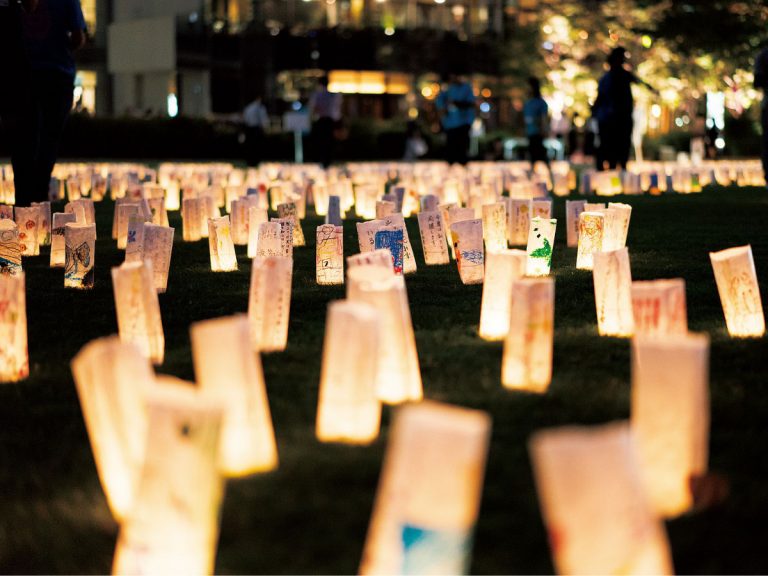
(311, 515)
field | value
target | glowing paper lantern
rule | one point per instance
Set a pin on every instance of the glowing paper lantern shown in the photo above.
(157, 209)
(44, 223)
(501, 269)
(286, 236)
(430, 203)
(612, 278)
(396, 220)
(269, 302)
(519, 221)
(14, 360)
(124, 212)
(739, 291)
(670, 416)
(173, 525)
(620, 224)
(79, 211)
(239, 216)
(112, 379)
(658, 307)
(192, 213)
(157, 248)
(6, 212)
(28, 221)
(366, 234)
(256, 217)
(268, 241)
(495, 226)
(399, 378)
(573, 209)
(227, 369)
(381, 258)
(541, 242)
(433, 238)
(594, 504)
(10, 248)
(542, 209)
(391, 239)
(222, 249)
(172, 197)
(429, 492)
(138, 309)
(384, 209)
(80, 252)
(468, 245)
(329, 255)
(348, 410)
(591, 228)
(288, 210)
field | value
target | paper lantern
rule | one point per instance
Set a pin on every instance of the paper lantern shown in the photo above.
(594, 504)
(44, 223)
(430, 203)
(333, 214)
(429, 492)
(269, 302)
(124, 212)
(329, 255)
(80, 254)
(542, 209)
(172, 197)
(433, 238)
(541, 242)
(613, 293)
(670, 416)
(134, 238)
(157, 209)
(519, 221)
(239, 216)
(288, 210)
(138, 309)
(527, 358)
(573, 209)
(396, 220)
(6, 212)
(192, 214)
(456, 214)
(658, 307)
(28, 221)
(501, 269)
(227, 370)
(268, 241)
(381, 258)
(286, 236)
(495, 226)
(384, 209)
(172, 527)
(739, 291)
(14, 359)
(620, 224)
(366, 234)
(399, 377)
(157, 248)
(591, 227)
(222, 249)
(256, 217)
(112, 380)
(391, 238)
(10, 248)
(348, 410)
(468, 245)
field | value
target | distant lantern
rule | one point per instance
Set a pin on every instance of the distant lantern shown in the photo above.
(10, 248)
(399, 376)
(80, 248)
(173, 525)
(501, 269)
(541, 243)
(620, 225)
(172, 195)
(591, 228)
(670, 416)
(222, 249)
(470, 255)
(256, 217)
(429, 491)
(269, 302)
(159, 213)
(286, 236)
(239, 220)
(527, 359)
(613, 293)
(288, 210)
(433, 238)
(138, 309)
(157, 247)
(112, 379)
(333, 213)
(573, 209)
(594, 504)
(519, 221)
(384, 208)
(348, 410)
(495, 226)
(192, 213)
(28, 221)
(658, 307)
(14, 360)
(124, 213)
(329, 255)
(227, 369)
(542, 209)
(739, 291)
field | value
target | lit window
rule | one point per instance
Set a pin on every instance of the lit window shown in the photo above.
(84, 100)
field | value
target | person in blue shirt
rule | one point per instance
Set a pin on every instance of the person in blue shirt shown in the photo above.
(536, 116)
(456, 106)
(52, 32)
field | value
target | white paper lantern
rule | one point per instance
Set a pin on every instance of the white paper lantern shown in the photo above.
(222, 249)
(80, 253)
(433, 238)
(468, 246)
(612, 278)
(269, 302)
(591, 229)
(501, 269)
(541, 243)
(14, 359)
(658, 307)
(495, 226)
(739, 291)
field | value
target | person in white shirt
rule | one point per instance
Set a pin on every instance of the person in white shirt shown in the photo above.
(256, 122)
(325, 108)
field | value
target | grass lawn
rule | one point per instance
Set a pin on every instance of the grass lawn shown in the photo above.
(311, 515)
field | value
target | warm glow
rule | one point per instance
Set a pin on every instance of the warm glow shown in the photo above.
(739, 291)
(502, 268)
(368, 82)
(613, 293)
(14, 362)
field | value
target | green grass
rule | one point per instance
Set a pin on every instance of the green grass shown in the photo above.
(311, 515)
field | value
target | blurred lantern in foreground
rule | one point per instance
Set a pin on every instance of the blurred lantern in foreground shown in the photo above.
(28, 221)
(433, 238)
(80, 249)
(739, 291)
(348, 410)
(612, 278)
(468, 244)
(112, 380)
(228, 370)
(541, 242)
(527, 360)
(658, 307)
(138, 309)
(256, 217)
(269, 302)
(222, 249)
(429, 492)
(391, 239)
(173, 525)
(495, 226)
(10, 248)
(329, 255)
(670, 416)
(381, 258)
(591, 228)
(399, 377)
(573, 209)
(594, 504)
(519, 221)
(501, 269)
(14, 361)
(268, 241)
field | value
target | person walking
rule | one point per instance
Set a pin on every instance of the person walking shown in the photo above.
(761, 81)
(325, 108)
(536, 116)
(456, 106)
(256, 122)
(52, 32)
